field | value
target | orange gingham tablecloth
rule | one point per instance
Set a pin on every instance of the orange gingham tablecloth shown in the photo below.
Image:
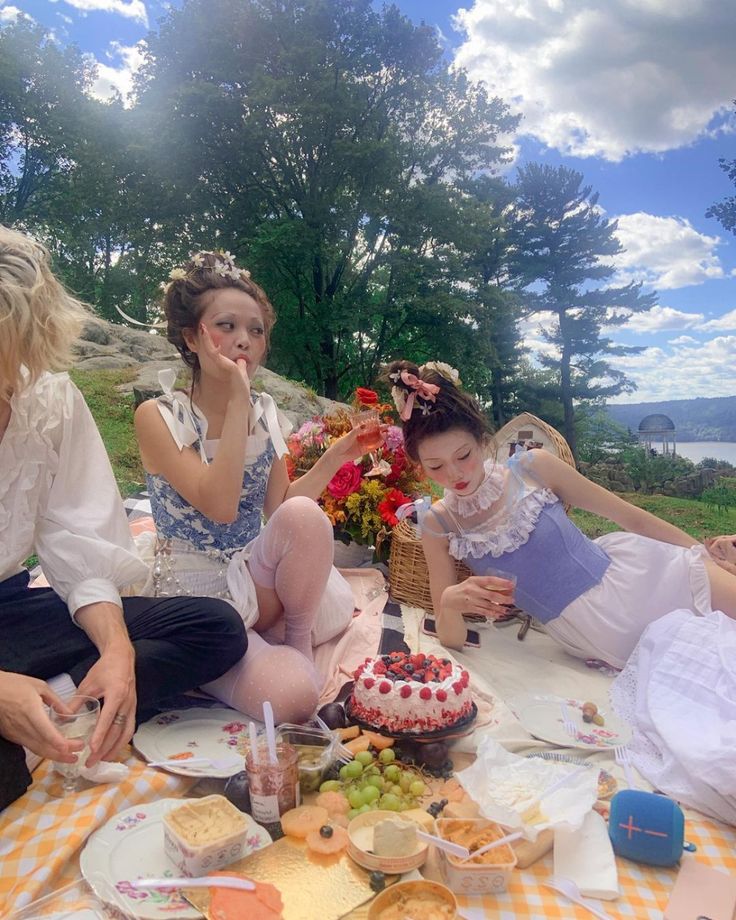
(645, 890)
(41, 836)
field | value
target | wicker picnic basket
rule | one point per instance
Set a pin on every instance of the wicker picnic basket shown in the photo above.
(408, 575)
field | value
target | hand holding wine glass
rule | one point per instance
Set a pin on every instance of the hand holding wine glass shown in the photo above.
(77, 724)
(367, 422)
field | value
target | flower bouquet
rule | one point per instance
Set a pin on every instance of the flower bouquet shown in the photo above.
(363, 497)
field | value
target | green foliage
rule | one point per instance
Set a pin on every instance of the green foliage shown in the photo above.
(561, 240)
(651, 471)
(599, 438)
(114, 417)
(722, 495)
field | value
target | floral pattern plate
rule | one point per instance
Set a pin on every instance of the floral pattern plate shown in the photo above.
(541, 716)
(131, 846)
(185, 733)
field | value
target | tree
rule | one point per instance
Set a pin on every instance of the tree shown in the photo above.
(560, 240)
(41, 101)
(322, 141)
(725, 211)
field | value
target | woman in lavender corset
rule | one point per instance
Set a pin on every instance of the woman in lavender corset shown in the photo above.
(595, 597)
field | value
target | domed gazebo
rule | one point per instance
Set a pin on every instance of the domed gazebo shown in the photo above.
(658, 429)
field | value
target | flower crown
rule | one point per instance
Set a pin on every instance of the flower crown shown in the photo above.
(224, 266)
(408, 388)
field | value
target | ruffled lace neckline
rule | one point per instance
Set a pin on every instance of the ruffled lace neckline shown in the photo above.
(487, 493)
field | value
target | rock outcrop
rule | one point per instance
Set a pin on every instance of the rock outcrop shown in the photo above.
(106, 346)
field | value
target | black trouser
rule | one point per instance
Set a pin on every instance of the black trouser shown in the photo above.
(180, 643)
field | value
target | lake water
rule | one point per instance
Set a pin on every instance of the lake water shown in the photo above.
(697, 450)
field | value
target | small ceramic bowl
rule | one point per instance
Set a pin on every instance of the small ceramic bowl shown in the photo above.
(360, 845)
(433, 893)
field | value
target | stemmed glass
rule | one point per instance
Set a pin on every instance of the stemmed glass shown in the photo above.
(78, 725)
(368, 424)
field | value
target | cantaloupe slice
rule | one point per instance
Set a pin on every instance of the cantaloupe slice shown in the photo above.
(379, 742)
(361, 743)
(334, 802)
(328, 845)
(352, 731)
(299, 821)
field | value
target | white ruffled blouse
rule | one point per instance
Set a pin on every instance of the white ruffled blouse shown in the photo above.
(59, 498)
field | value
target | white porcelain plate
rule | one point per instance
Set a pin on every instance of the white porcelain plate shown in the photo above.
(541, 716)
(131, 846)
(186, 733)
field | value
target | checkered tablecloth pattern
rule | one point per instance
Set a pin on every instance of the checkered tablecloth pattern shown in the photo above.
(41, 836)
(645, 890)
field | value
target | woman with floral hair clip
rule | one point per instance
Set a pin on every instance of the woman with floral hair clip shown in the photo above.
(214, 457)
(595, 596)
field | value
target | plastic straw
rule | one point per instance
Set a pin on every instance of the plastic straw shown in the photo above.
(270, 732)
(253, 743)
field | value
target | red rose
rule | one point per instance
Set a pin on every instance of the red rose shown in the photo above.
(366, 397)
(388, 507)
(345, 481)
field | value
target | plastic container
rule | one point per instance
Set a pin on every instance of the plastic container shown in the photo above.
(471, 878)
(315, 751)
(360, 845)
(435, 895)
(203, 836)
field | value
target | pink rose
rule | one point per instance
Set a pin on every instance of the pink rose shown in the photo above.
(345, 481)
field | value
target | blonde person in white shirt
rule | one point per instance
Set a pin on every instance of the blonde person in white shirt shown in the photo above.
(59, 499)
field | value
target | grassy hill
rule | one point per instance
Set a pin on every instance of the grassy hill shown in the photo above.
(113, 413)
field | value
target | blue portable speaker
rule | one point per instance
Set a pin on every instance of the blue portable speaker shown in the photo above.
(647, 828)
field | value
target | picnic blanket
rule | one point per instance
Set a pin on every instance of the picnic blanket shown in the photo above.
(502, 668)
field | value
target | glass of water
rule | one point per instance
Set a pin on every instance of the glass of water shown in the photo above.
(79, 725)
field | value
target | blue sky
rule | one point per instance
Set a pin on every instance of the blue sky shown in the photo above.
(635, 94)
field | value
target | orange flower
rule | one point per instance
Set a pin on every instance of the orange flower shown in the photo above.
(366, 397)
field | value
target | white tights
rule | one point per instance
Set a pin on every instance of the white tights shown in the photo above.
(293, 557)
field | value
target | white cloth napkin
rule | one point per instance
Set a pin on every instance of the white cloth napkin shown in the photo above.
(585, 856)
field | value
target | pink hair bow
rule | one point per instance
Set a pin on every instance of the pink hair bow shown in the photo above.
(426, 391)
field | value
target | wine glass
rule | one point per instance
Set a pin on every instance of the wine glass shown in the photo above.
(368, 424)
(79, 724)
(508, 576)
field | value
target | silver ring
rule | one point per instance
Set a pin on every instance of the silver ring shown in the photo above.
(119, 719)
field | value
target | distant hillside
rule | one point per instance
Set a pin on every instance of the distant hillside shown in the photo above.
(704, 419)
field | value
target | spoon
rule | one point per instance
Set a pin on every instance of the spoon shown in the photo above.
(570, 890)
(206, 881)
(457, 849)
(224, 763)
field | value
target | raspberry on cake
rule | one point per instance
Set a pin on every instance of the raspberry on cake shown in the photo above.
(411, 693)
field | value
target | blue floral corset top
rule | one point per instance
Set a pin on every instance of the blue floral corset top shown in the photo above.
(174, 516)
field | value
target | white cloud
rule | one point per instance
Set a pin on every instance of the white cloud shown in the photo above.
(118, 79)
(130, 9)
(725, 323)
(683, 340)
(659, 319)
(666, 252)
(687, 371)
(11, 13)
(67, 19)
(605, 79)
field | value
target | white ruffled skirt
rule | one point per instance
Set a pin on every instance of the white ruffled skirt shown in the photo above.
(645, 580)
(678, 692)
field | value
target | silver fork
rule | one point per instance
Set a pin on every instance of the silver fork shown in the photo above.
(567, 721)
(623, 759)
(342, 753)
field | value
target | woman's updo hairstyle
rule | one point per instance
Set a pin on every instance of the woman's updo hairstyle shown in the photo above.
(438, 410)
(185, 298)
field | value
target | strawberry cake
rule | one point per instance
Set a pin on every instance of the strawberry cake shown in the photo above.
(410, 693)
